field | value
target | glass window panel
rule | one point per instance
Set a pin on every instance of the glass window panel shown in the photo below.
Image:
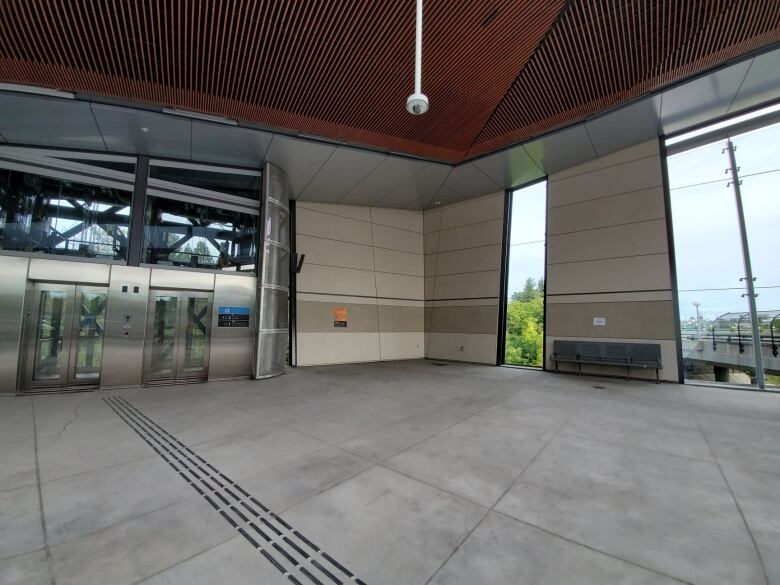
(525, 277)
(699, 165)
(68, 218)
(179, 233)
(240, 185)
(89, 337)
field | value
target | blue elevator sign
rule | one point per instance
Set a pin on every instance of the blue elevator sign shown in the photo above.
(233, 317)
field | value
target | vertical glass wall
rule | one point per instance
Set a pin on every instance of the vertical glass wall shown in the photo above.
(716, 320)
(524, 343)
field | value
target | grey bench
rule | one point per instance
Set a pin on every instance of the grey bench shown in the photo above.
(628, 355)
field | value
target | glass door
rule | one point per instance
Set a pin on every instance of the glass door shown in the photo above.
(177, 336)
(63, 336)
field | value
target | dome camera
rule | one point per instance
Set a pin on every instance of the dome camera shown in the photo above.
(417, 104)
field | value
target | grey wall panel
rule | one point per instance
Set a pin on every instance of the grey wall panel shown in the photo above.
(390, 174)
(299, 159)
(123, 131)
(341, 173)
(12, 289)
(26, 119)
(232, 347)
(468, 180)
(123, 344)
(510, 168)
(398, 319)
(701, 99)
(445, 196)
(464, 319)
(229, 145)
(69, 271)
(761, 84)
(625, 126)
(561, 150)
(181, 279)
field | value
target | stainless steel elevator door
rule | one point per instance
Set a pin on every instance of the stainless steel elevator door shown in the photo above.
(178, 335)
(63, 336)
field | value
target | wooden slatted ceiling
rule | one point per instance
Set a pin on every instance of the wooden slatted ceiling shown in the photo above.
(496, 71)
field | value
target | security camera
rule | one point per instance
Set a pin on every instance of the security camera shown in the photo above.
(417, 104)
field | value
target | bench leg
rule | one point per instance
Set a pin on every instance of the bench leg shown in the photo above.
(579, 368)
(628, 373)
(657, 376)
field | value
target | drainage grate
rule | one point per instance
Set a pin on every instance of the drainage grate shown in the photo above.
(294, 555)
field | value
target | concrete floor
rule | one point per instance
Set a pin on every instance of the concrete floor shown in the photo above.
(404, 473)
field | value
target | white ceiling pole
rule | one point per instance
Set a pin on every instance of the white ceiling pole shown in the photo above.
(418, 50)
(417, 103)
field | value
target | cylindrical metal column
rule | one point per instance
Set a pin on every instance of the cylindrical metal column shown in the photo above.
(273, 283)
(751, 292)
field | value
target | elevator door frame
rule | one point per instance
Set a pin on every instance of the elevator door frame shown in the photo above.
(180, 373)
(69, 340)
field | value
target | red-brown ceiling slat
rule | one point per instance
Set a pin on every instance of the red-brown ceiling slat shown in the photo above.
(496, 71)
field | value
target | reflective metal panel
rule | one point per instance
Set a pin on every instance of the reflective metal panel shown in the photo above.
(626, 126)
(300, 159)
(229, 145)
(393, 172)
(125, 319)
(271, 353)
(143, 132)
(417, 192)
(761, 84)
(510, 168)
(232, 346)
(12, 288)
(561, 150)
(26, 119)
(701, 99)
(182, 279)
(67, 271)
(276, 265)
(468, 180)
(340, 174)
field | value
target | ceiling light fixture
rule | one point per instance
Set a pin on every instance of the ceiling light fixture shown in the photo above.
(417, 103)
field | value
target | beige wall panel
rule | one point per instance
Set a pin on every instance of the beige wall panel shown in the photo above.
(638, 320)
(333, 227)
(315, 317)
(471, 236)
(475, 319)
(632, 176)
(430, 282)
(402, 346)
(611, 297)
(327, 348)
(667, 373)
(636, 152)
(399, 262)
(637, 273)
(470, 285)
(333, 253)
(430, 264)
(463, 347)
(399, 319)
(469, 260)
(400, 286)
(338, 281)
(395, 239)
(431, 243)
(644, 205)
(473, 211)
(432, 220)
(67, 271)
(624, 240)
(398, 218)
(350, 211)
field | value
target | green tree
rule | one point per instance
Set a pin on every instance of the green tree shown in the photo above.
(525, 326)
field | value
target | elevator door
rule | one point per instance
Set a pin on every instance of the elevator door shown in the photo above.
(178, 335)
(63, 336)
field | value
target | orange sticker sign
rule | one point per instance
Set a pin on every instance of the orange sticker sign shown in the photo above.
(340, 314)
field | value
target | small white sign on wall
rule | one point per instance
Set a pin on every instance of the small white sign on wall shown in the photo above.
(599, 321)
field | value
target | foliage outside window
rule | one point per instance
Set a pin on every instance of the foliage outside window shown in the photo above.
(62, 217)
(525, 325)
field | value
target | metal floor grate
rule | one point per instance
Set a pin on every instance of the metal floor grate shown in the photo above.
(294, 555)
